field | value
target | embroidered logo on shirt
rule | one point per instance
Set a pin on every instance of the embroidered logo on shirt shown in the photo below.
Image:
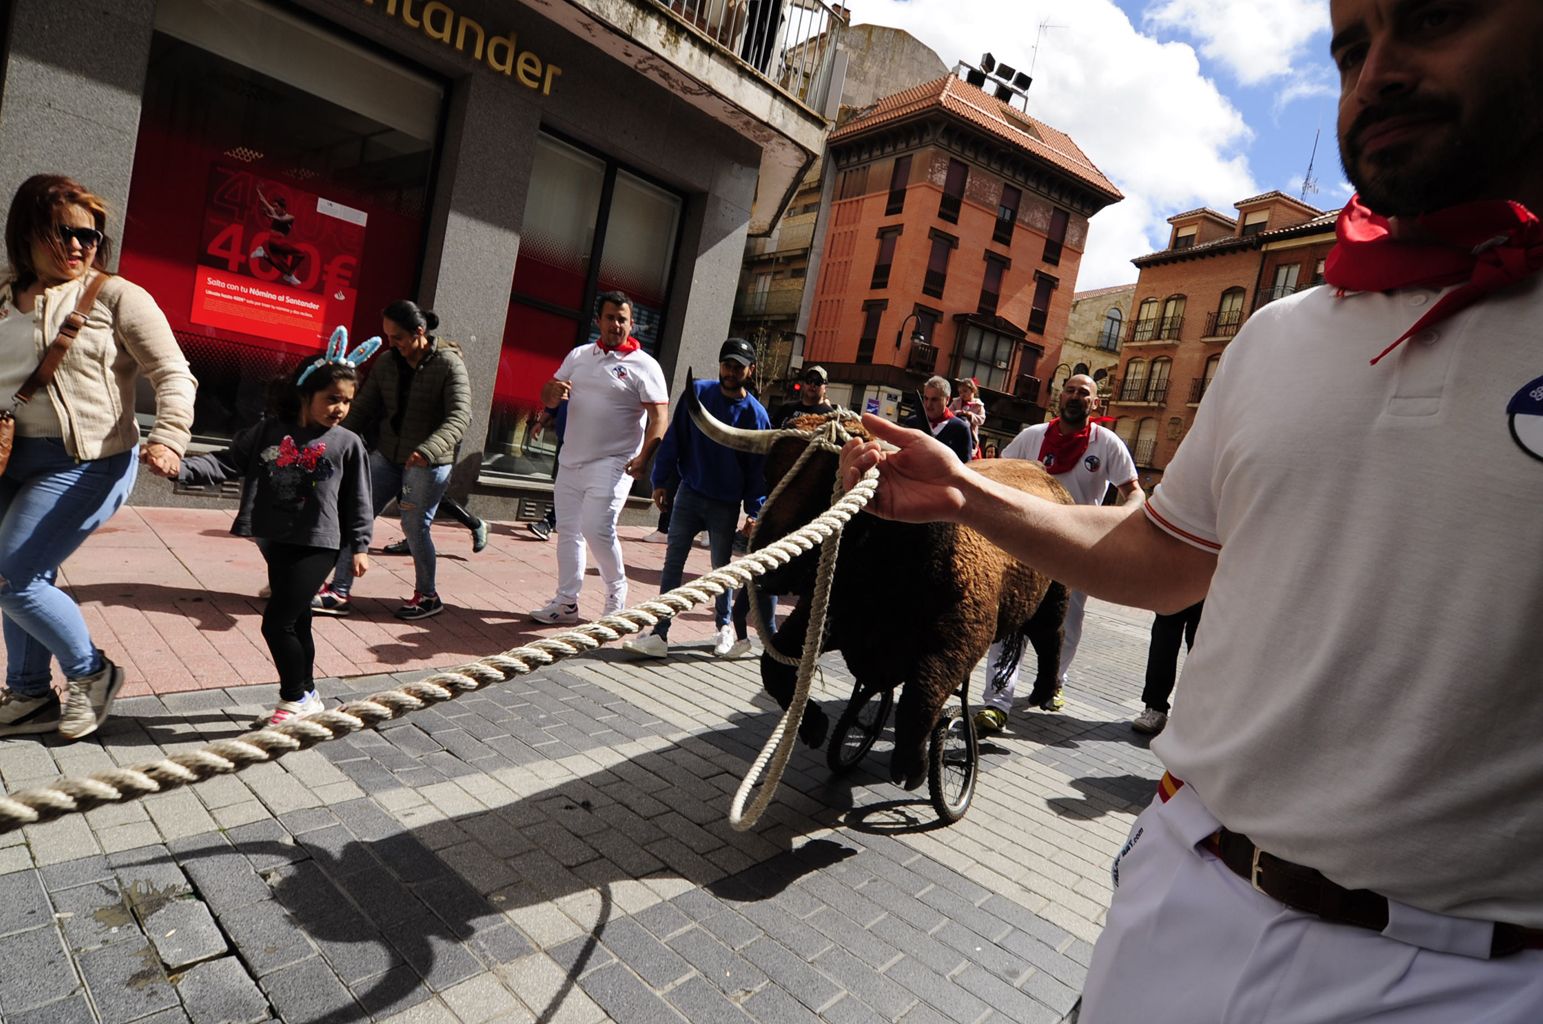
(1048, 460)
(1525, 412)
(1092, 462)
(619, 372)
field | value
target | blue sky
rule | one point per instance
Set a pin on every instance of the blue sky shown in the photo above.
(1182, 103)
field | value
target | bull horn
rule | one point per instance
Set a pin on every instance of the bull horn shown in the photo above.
(738, 438)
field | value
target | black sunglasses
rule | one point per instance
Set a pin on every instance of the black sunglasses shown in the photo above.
(89, 238)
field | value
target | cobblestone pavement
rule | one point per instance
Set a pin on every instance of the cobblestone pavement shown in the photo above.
(556, 849)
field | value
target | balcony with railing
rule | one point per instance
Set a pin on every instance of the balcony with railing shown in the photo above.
(791, 45)
(782, 300)
(1140, 391)
(921, 359)
(1168, 329)
(1142, 330)
(1266, 296)
(1143, 451)
(1223, 323)
(1197, 389)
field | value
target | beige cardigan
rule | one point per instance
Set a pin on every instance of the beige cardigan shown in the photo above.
(93, 391)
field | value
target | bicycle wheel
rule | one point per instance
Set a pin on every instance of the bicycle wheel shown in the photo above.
(952, 758)
(857, 729)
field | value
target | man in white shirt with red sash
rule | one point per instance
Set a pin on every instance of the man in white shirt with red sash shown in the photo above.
(617, 399)
(1351, 823)
(1085, 458)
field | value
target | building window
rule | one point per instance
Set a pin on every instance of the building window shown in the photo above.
(888, 237)
(852, 183)
(1157, 380)
(1255, 222)
(1203, 383)
(987, 356)
(339, 146)
(937, 264)
(1318, 273)
(1184, 239)
(1285, 283)
(1039, 312)
(1228, 317)
(1145, 448)
(1145, 327)
(899, 177)
(1173, 318)
(1134, 385)
(991, 284)
(873, 312)
(953, 191)
(1109, 336)
(1057, 236)
(755, 299)
(1007, 215)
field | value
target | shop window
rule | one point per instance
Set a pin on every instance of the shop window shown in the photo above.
(1056, 238)
(953, 191)
(279, 189)
(590, 226)
(899, 177)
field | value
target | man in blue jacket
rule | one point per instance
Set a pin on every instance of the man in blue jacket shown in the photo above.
(705, 484)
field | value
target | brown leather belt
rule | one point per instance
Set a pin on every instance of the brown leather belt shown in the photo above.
(1307, 890)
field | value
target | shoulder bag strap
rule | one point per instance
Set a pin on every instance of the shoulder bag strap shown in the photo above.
(73, 322)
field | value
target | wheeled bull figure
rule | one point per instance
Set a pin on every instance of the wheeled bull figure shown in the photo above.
(910, 604)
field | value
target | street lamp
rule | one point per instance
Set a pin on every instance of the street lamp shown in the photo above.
(1055, 392)
(916, 334)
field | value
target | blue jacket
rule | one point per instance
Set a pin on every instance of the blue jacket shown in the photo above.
(686, 455)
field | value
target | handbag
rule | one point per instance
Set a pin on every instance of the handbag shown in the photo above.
(52, 357)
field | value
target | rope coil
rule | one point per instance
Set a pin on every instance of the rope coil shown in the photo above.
(76, 794)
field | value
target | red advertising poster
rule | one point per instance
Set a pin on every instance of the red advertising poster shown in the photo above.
(276, 261)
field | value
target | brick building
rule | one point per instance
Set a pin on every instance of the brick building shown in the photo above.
(1189, 301)
(1092, 343)
(956, 228)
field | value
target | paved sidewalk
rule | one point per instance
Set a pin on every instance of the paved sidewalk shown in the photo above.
(554, 848)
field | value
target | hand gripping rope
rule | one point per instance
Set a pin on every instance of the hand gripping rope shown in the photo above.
(74, 794)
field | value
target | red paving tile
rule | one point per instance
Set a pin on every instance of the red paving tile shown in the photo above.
(171, 595)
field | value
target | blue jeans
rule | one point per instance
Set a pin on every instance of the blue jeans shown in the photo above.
(49, 505)
(418, 491)
(690, 514)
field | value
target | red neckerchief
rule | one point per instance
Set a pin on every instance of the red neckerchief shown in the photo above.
(629, 346)
(1060, 452)
(933, 423)
(1483, 246)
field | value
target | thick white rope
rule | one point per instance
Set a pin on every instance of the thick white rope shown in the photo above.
(74, 794)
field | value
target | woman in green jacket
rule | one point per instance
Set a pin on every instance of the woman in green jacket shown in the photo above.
(420, 399)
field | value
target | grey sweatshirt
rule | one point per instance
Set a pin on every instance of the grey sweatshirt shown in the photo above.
(308, 486)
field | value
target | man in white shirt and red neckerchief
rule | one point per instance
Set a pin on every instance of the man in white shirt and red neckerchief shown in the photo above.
(1352, 824)
(1085, 458)
(617, 399)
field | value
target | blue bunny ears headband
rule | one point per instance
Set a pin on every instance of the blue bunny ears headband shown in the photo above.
(337, 352)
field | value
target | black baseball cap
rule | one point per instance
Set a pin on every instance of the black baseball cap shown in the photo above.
(737, 350)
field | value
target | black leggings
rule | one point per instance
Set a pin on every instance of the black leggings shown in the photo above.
(295, 573)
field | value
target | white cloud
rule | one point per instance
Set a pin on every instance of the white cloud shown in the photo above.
(1141, 109)
(1256, 40)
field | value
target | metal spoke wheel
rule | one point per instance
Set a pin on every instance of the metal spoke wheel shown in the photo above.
(858, 728)
(952, 759)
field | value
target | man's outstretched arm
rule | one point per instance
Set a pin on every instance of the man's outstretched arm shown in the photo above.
(1111, 552)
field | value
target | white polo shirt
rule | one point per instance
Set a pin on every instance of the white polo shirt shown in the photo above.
(1107, 461)
(1366, 696)
(605, 407)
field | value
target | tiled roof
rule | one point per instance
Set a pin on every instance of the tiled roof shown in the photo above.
(1093, 293)
(1205, 210)
(1275, 194)
(1214, 246)
(1010, 125)
(1323, 222)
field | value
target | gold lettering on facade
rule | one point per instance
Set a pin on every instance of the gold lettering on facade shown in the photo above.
(502, 54)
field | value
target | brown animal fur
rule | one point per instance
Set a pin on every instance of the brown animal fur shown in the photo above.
(911, 604)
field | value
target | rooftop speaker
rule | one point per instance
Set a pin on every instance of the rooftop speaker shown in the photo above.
(1005, 92)
(976, 78)
(1022, 81)
(1005, 73)
(988, 63)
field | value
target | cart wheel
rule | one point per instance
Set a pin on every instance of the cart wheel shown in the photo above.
(951, 762)
(858, 729)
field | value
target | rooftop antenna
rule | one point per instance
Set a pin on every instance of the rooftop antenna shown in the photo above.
(1310, 183)
(1043, 25)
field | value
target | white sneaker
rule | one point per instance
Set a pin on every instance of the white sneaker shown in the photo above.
(289, 710)
(739, 649)
(649, 645)
(612, 606)
(554, 611)
(1150, 722)
(724, 643)
(657, 537)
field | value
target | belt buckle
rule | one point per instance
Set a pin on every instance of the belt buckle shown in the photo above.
(1253, 873)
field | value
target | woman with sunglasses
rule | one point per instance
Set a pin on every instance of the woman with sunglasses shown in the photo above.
(73, 463)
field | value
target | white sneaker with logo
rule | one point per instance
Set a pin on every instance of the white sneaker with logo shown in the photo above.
(289, 710)
(555, 611)
(725, 642)
(649, 645)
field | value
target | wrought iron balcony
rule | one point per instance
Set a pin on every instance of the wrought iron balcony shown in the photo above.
(1168, 329)
(1197, 389)
(1027, 388)
(1142, 330)
(921, 359)
(1140, 389)
(1269, 295)
(1223, 323)
(1143, 451)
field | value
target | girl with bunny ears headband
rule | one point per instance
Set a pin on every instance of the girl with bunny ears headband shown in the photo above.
(337, 352)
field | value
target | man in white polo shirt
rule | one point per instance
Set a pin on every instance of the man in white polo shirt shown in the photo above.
(617, 399)
(1351, 822)
(1085, 458)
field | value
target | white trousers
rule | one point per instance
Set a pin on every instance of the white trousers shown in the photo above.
(588, 499)
(1189, 942)
(1076, 604)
